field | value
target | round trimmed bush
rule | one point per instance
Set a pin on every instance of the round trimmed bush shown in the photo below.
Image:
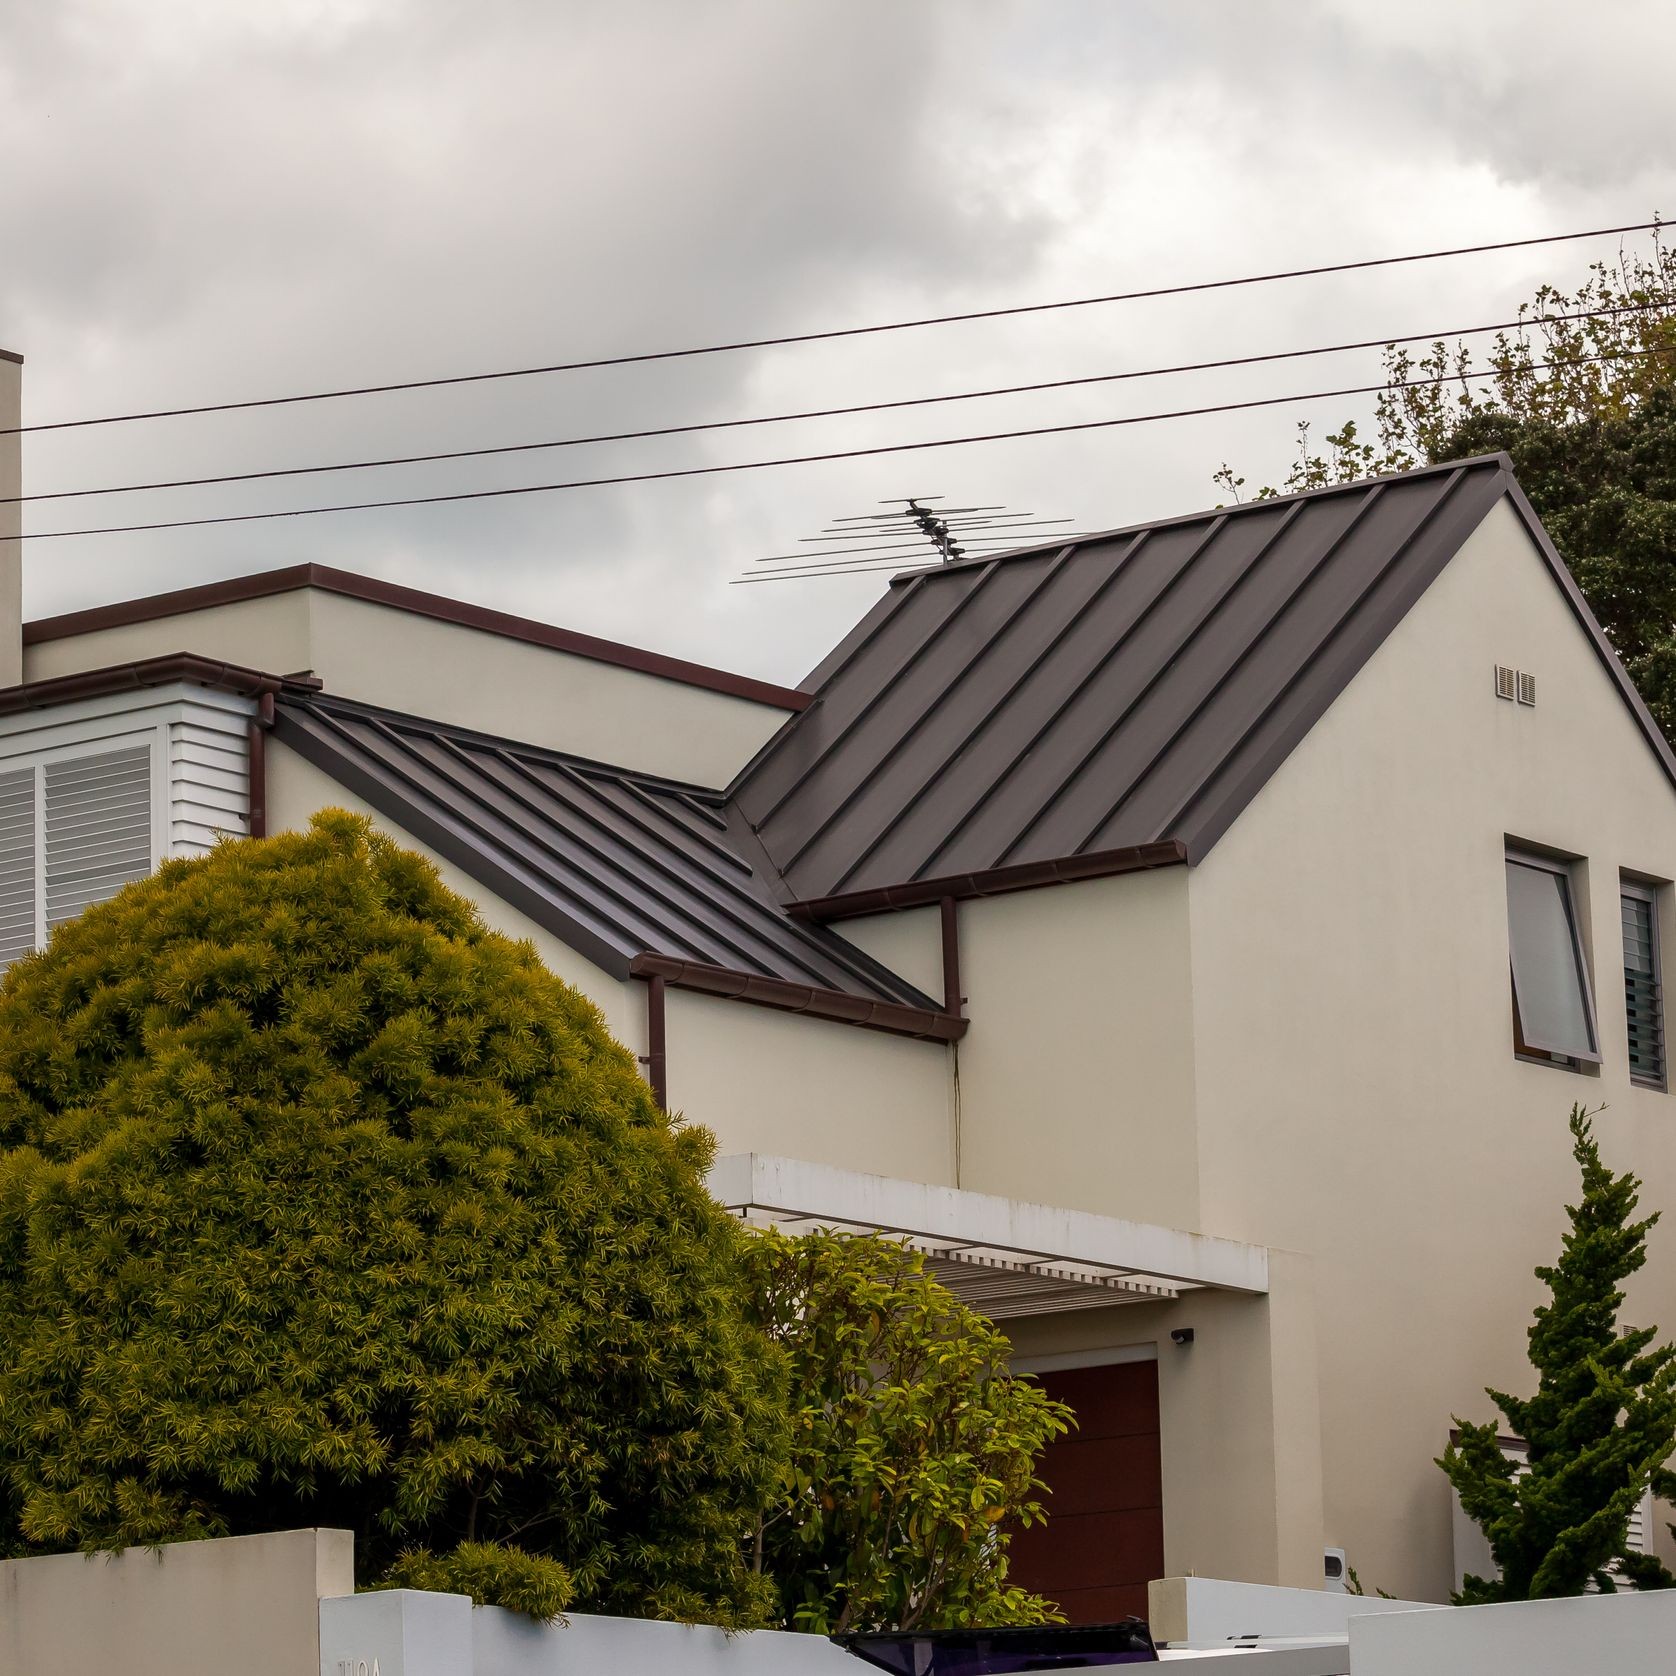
(320, 1204)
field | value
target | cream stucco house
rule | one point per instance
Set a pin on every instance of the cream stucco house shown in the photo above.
(1193, 937)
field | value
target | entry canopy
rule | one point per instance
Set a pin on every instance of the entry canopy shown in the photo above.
(1005, 1257)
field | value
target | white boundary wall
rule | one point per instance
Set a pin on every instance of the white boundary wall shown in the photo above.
(1591, 1635)
(240, 1606)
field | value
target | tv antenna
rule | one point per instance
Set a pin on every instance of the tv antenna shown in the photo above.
(911, 532)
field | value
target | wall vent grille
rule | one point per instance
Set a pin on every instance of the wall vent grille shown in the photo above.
(1504, 681)
(1527, 688)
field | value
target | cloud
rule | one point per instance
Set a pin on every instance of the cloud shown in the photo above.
(222, 201)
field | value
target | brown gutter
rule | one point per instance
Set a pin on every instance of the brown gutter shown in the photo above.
(656, 1056)
(893, 1017)
(148, 672)
(994, 881)
(374, 592)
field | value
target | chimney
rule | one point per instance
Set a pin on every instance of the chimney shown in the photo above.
(11, 519)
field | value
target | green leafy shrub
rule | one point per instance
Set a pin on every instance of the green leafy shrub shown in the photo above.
(913, 1448)
(488, 1571)
(321, 1204)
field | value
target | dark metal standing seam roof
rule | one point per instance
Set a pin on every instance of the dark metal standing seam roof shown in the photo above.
(1107, 705)
(635, 872)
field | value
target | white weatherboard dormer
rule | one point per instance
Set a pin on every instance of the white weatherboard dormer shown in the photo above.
(95, 792)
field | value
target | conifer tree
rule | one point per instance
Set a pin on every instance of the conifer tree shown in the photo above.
(1601, 1425)
(320, 1204)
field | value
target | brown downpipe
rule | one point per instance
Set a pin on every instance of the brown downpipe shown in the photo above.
(656, 1056)
(954, 1004)
(260, 724)
(953, 1001)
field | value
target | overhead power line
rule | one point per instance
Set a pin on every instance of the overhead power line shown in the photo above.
(795, 459)
(835, 333)
(826, 412)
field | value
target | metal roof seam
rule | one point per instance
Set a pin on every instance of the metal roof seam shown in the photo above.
(1219, 684)
(1291, 718)
(857, 640)
(903, 665)
(728, 859)
(1102, 714)
(980, 650)
(891, 819)
(595, 845)
(424, 778)
(1207, 613)
(1430, 515)
(1204, 544)
(728, 887)
(424, 824)
(499, 842)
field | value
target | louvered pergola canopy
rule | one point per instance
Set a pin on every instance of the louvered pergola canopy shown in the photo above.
(1006, 1257)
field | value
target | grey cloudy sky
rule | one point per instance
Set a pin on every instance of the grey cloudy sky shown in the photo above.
(204, 201)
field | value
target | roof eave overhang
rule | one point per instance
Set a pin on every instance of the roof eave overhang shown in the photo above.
(892, 1017)
(1008, 1257)
(160, 671)
(993, 881)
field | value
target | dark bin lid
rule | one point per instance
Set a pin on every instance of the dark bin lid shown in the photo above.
(997, 1652)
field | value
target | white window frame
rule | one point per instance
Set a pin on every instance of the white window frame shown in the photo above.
(1536, 1053)
(90, 740)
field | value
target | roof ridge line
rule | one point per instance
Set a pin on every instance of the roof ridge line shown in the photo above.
(1500, 459)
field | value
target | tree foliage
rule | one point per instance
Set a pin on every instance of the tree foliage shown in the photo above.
(1582, 396)
(1602, 1422)
(321, 1204)
(913, 1448)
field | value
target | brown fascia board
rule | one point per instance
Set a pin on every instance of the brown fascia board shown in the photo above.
(267, 584)
(148, 672)
(783, 996)
(995, 881)
(12, 356)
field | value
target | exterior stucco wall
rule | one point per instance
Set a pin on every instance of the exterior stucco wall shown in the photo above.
(465, 676)
(475, 679)
(245, 1603)
(766, 1081)
(1357, 1093)
(268, 634)
(1239, 1428)
(1076, 1076)
(909, 942)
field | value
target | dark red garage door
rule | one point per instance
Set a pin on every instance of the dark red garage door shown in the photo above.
(1104, 1536)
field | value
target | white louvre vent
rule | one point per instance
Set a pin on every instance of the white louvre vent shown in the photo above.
(98, 828)
(1527, 688)
(17, 864)
(1504, 681)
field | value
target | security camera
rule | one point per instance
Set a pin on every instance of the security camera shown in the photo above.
(1181, 1335)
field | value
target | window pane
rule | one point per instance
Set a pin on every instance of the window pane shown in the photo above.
(1547, 975)
(1643, 1001)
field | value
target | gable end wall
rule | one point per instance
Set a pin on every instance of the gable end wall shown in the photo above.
(1357, 1094)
